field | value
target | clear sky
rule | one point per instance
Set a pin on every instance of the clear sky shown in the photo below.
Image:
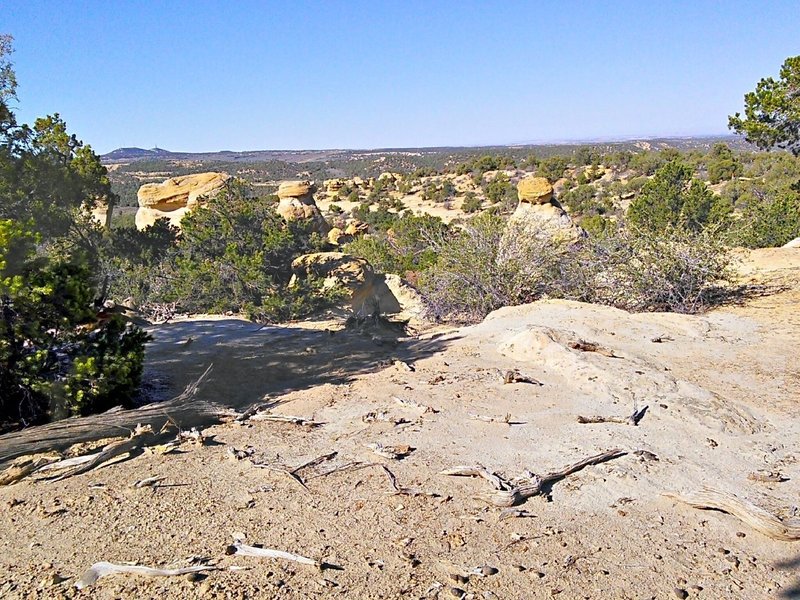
(291, 74)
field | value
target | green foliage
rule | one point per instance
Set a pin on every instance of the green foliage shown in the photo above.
(480, 165)
(772, 111)
(769, 221)
(552, 167)
(409, 246)
(673, 198)
(484, 266)
(471, 203)
(722, 164)
(56, 358)
(234, 254)
(501, 191)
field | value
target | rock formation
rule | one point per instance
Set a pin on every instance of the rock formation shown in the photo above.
(297, 204)
(539, 215)
(175, 197)
(367, 291)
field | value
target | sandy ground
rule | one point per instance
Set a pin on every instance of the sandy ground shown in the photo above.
(722, 392)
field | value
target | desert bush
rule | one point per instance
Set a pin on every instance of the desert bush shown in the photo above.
(769, 221)
(471, 203)
(485, 266)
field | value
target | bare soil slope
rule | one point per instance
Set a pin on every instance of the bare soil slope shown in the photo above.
(721, 391)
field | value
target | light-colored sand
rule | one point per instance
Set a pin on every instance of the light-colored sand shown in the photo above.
(722, 389)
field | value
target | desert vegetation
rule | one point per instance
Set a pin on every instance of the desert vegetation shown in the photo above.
(655, 227)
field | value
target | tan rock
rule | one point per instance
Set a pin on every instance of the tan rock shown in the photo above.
(337, 237)
(534, 190)
(356, 228)
(333, 185)
(295, 189)
(335, 268)
(795, 243)
(176, 196)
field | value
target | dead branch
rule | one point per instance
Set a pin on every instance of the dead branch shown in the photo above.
(102, 569)
(631, 420)
(514, 376)
(412, 404)
(747, 512)
(506, 495)
(316, 461)
(24, 466)
(767, 477)
(268, 416)
(58, 436)
(585, 346)
(242, 549)
(506, 419)
(394, 452)
(138, 438)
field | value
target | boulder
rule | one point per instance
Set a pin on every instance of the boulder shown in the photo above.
(176, 196)
(295, 189)
(334, 268)
(356, 228)
(368, 292)
(534, 190)
(548, 220)
(297, 204)
(338, 237)
(333, 185)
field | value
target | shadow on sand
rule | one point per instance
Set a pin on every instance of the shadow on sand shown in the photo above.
(251, 364)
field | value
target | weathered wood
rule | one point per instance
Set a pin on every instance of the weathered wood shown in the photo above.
(634, 419)
(183, 410)
(747, 512)
(506, 494)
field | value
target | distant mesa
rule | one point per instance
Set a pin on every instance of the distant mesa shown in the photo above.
(176, 196)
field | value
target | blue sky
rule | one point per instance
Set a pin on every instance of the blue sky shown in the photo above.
(239, 75)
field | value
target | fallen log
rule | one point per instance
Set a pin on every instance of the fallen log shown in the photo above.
(747, 512)
(182, 410)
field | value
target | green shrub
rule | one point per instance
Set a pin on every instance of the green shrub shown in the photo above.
(770, 221)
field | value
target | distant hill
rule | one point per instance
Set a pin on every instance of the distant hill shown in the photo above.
(128, 155)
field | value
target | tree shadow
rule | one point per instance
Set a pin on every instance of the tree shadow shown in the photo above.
(251, 364)
(792, 591)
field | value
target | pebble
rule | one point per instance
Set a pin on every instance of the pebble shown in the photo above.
(680, 593)
(457, 592)
(459, 578)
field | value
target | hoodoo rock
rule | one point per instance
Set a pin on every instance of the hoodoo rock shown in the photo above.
(297, 204)
(534, 190)
(538, 216)
(176, 196)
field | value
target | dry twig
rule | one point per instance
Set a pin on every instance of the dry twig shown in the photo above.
(631, 420)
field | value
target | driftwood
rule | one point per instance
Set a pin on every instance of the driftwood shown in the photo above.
(747, 512)
(394, 452)
(514, 376)
(58, 436)
(102, 569)
(505, 419)
(413, 404)
(631, 420)
(242, 549)
(140, 436)
(507, 494)
(24, 466)
(268, 416)
(585, 346)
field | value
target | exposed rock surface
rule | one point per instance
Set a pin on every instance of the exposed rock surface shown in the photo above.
(535, 190)
(175, 197)
(795, 243)
(368, 292)
(297, 204)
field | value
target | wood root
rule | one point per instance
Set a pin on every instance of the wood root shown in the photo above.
(747, 512)
(507, 494)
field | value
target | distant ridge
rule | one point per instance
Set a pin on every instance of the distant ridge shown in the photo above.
(124, 155)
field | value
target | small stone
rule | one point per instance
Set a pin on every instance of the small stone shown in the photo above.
(457, 592)
(486, 571)
(680, 593)
(740, 534)
(539, 574)
(459, 578)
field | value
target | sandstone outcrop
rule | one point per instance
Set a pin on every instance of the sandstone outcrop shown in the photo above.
(367, 292)
(297, 204)
(538, 217)
(176, 196)
(795, 243)
(534, 190)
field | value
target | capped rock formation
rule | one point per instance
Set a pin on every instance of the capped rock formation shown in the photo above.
(175, 197)
(534, 190)
(297, 204)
